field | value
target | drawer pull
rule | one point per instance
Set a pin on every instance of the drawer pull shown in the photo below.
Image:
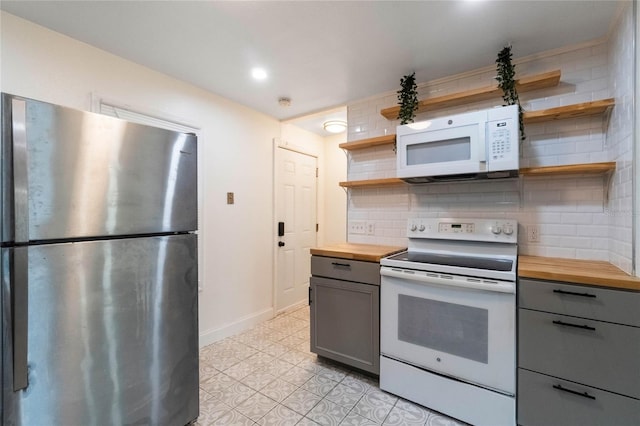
(341, 265)
(566, 324)
(572, 293)
(583, 394)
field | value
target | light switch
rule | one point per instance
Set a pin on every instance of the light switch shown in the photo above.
(229, 197)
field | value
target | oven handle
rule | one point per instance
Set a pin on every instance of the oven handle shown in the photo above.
(452, 281)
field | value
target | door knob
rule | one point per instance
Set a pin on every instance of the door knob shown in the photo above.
(280, 243)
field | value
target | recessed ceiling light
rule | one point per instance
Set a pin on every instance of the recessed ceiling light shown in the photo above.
(335, 126)
(259, 73)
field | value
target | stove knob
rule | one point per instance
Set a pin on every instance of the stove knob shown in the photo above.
(421, 228)
(508, 230)
(496, 229)
(413, 228)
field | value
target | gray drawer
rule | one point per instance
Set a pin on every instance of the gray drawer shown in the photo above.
(605, 355)
(602, 304)
(345, 269)
(540, 404)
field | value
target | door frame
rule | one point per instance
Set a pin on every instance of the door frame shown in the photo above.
(280, 144)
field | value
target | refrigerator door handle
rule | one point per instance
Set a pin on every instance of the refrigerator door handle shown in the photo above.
(19, 290)
(19, 311)
(20, 177)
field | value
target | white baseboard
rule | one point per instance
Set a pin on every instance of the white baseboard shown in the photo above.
(293, 307)
(210, 336)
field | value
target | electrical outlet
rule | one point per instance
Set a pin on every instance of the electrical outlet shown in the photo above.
(358, 227)
(533, 233)
(371, 228)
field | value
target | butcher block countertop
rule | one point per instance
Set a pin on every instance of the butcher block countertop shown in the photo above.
(353, 251)
(598, 273)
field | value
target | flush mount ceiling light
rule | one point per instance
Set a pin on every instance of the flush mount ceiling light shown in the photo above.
(335, 126)
(419, 125)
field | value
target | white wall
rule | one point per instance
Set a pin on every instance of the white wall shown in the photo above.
(235, 151)
(636, 187)
(619, 141)
(335, 199)
(573, 213)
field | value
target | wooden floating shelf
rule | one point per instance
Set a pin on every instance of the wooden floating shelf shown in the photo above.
(569, 111)
(525, 84)
(583, 109)
(371, 183)
(571, 169)
(368, 143)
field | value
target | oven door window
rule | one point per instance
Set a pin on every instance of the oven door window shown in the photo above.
(447, 327)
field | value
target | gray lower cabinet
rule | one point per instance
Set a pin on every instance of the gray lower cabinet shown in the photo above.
(344, 298)
(578, 355)
(545, 400)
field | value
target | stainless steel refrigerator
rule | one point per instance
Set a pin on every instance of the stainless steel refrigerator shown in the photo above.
(99, 270)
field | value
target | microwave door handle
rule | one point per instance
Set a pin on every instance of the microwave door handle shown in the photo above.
(483, 146)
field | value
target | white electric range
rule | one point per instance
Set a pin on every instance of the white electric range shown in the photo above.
(447, 319)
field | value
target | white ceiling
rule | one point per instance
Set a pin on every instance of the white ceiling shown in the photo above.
(321, 54)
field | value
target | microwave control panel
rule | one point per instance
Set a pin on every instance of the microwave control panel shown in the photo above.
(503, 138)
(500, 140)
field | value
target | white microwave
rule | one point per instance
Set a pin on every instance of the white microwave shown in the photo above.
(475, 145)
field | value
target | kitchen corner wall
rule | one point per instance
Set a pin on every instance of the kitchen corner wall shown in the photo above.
(582, 217)
(335, 197)
(619, 141)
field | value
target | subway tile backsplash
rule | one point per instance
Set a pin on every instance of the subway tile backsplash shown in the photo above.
(582, 217)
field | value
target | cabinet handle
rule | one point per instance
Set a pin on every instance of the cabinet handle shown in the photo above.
(342, 265)
(583, 394)
(309, 295)
(566, 324)
(572, 293)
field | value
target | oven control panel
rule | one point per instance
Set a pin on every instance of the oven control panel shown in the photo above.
(498, 230)
(456, 228)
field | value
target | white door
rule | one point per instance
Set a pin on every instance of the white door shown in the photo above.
(296, 208)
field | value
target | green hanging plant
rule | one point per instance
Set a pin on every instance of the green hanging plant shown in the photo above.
(506, 82)
(408, 98)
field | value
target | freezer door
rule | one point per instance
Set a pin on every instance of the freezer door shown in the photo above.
(112, 333)
(69, 174)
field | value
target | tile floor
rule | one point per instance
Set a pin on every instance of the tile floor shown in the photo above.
(267, 376)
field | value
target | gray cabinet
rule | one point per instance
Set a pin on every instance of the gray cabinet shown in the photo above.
(344, 298)
(578, 352)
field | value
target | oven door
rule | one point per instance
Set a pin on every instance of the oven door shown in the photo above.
(450, 326)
